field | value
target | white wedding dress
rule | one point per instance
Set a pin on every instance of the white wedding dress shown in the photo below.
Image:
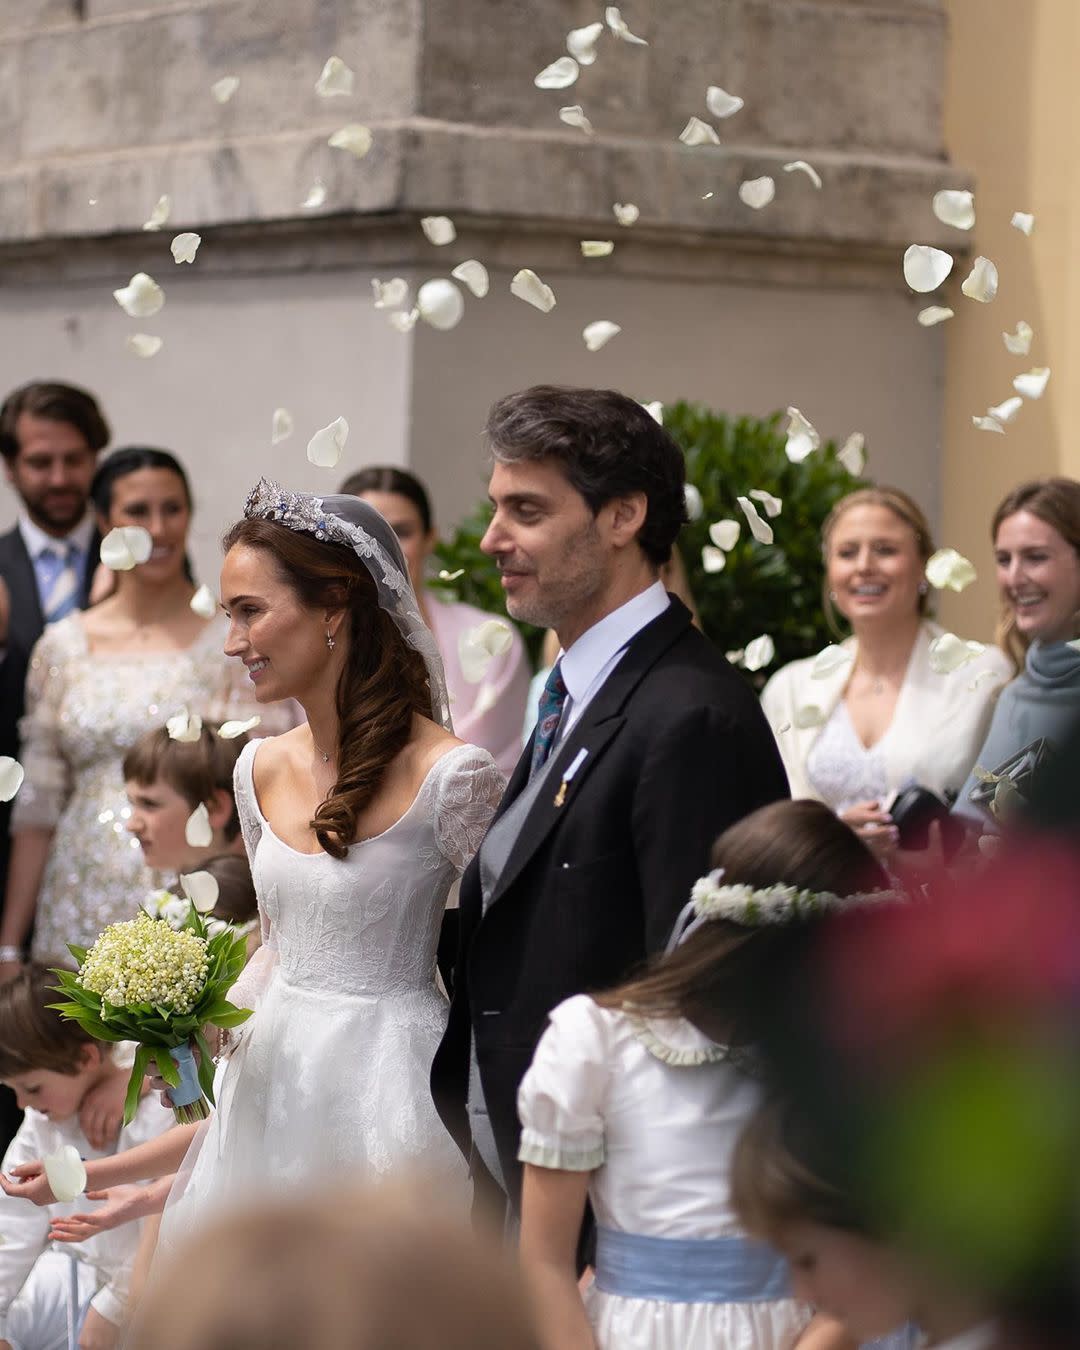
(330, 1080)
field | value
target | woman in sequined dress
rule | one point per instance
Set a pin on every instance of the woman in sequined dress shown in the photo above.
(97, 681)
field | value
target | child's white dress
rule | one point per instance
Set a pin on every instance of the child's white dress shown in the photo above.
(653, 1109)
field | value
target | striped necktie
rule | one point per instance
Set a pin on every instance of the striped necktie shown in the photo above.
(59, 570)
(550, 714)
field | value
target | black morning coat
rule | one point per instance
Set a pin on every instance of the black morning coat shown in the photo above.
(678, 750)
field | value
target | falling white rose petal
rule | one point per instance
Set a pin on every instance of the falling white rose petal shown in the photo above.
(759, 653)
(479, 646)
(12, 774)
(281, 425)
(141, 297)
(852, 454)
(935, 314)
(925, 268)
(404, 320)
(144, 344)
(720, 103)
(574, 116)
(201, 888)
(1023, 221)
(336, 79)
(316, 196)
(198, 831)
(527, 286)
(390, 294)
(695, 507)
(561, 74)
(697, 132)
(474, 275)
(126, 547)
(773, 505)
(581, 43)
(809, 716)
(224, 88)
(734, 657)
(1019, 343)
(802, 439)
(353, 137)
(185, 246)
(948, 570)
(204, 602)
(1006, 412)
(599, 333)
(757, 192)
(597, 248)
(949, 653)
(438, 230)
(228, 731)
(184, 726)
(725, 534)
(325, 447)
(955, 208)
(713, 559)
(829, 660)
(988, 424)
(655, 409)
(160, 214)
(761, 531)
(617, 24)
(981, 283)
(65, 1172)
(626, 213)
(444, 575)
(1033, 384)
(801, 166)
(440, 303)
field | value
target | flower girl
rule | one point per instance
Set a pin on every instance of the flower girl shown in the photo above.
(635, 1100)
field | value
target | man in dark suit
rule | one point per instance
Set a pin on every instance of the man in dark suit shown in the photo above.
(648, 745)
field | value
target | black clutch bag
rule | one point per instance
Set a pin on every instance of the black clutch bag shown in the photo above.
(914, 810)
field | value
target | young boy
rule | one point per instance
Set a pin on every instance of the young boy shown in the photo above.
(52, 1065)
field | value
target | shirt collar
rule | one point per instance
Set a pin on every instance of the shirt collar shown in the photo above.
(35, 538)
(586, 658)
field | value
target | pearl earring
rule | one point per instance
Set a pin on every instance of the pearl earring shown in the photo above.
(832, 596)
(329, 639)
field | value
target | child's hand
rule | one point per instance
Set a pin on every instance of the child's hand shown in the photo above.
(123, 1204)
(98, 1333)
(28, 1182)
(102, 1113)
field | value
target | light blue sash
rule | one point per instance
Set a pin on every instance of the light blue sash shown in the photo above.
(689, 1270)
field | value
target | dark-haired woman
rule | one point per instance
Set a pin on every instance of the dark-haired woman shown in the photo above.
(98, 680)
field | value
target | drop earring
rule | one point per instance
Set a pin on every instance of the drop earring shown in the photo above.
(330, 639)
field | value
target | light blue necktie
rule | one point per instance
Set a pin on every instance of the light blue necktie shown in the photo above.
(58, 574)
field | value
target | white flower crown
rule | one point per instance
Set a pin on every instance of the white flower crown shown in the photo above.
(755, 906)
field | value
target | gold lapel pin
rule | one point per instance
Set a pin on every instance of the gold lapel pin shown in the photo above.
(572, 768)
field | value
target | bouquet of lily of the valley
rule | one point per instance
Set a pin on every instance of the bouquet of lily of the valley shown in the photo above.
(159, 985)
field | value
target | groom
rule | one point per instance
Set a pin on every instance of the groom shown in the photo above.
(647, 746)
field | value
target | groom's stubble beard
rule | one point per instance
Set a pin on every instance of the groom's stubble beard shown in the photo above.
(566, 584)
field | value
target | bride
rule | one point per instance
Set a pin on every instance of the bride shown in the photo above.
(356, 826)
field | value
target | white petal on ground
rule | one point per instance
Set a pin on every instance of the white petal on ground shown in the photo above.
(404, 320)
(852, 454)
(325, 447)
(65, 1172)
(336, 79)
(597, 248)
(713, 559)
(626, 213)
(316, 196)
(988, 424)
(574, 116)
(948, 570)
(773, 505)
(141, 297)
(11, 777)
(617, 24)
(527, 286)
(725, 534)
(160, 214)
(829, 660)
(281, 425)
(353, 137)
(126, 547)
(759, 653)
(228, 731)
(390, 294)
(981, 283)
(935, 314)
(949, 653)
(655, 409)
(479, 646)
(444, 575)
(225, 88)
(695, 507)
(599, 333)
(185, 246)
(1006, 412)
(474, 275)
(204, 602)
(1019, 343)
(757, 192)
(720, 103)
(925, 268)
(440, 303)
(581, 43)
(801, 166)
(201, 888)
(184, 726)
(197, 830)
(810, 715)
(1023, 221)
(761, 531)
(802, 439)
(561, 74)
(144, 344)
(1033, 384)
(955, 208)
(697, 132)
(438, 230)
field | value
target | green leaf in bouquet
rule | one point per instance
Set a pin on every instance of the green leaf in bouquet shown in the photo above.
(79, 953)
(230, 1016)
(138, 1072)
(206, 1068)
(167, 1069)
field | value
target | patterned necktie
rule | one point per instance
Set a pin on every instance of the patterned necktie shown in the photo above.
(550, 713)
(60, 580)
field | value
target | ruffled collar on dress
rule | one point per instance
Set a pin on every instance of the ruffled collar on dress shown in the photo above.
(676, 1041)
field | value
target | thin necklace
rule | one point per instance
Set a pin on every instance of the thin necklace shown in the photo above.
(315, 743)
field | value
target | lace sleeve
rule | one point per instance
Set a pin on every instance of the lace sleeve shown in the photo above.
(48, 772)
(467, 792)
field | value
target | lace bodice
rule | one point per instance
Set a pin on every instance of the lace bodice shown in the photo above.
(368, 924)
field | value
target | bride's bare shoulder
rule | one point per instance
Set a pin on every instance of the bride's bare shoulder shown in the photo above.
(429, 743)
(277, 755)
